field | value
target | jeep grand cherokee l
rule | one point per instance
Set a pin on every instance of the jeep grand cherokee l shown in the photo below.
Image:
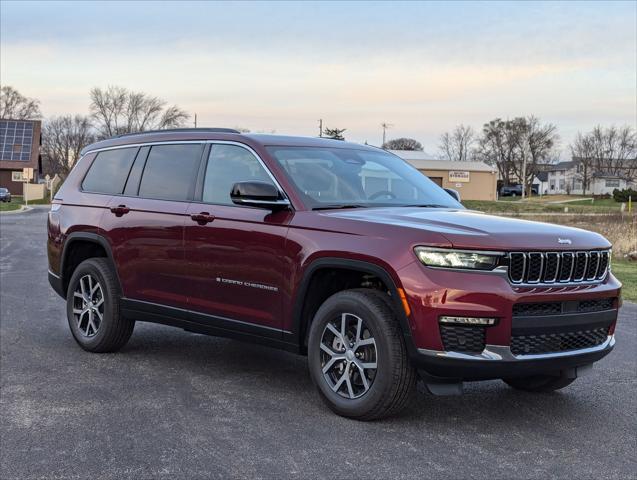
(340, 251)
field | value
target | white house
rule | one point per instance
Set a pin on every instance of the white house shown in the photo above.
(565, 178)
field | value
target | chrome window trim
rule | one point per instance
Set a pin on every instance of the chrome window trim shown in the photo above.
(502, 353)
(201, 142)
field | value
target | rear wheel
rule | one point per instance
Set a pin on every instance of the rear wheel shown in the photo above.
(357, 356)
(92, 308)
(539, 383)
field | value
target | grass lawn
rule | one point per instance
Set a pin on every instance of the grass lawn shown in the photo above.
(626, 272)
(7, 206)
(17, 201)
(542, 205)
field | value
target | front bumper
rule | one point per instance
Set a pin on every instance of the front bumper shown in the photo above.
(497, 361)
(502, 351)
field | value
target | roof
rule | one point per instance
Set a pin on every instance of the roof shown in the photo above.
(448, 165)
(19, 143)
(194, 134)
(422, 161)
(413, 154)
(562, 166)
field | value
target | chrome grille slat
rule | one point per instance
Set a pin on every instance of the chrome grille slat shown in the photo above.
(535, 268)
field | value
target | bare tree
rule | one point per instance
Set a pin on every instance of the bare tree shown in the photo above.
(402, 144)
(615, 150)
(335, 133)
(583, 152)
(497, 146)
(16, 106)
(457, 145)
(63, 138)
(117, 110)
(536, 144)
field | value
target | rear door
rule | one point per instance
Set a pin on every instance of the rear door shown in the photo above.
(145, 224)
(236, 259)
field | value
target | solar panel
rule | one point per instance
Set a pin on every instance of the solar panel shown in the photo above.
(16, 139)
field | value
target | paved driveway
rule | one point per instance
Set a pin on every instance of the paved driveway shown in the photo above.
(173, 404)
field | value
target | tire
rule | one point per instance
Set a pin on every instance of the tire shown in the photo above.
(539, 383)
(390, 385)
(92, 334)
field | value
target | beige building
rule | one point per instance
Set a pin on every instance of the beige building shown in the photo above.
(473, 180)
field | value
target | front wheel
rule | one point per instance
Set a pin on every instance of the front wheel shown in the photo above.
(539, 383)
(357, 356)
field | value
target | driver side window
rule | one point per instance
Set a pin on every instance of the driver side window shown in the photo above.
(227, 165)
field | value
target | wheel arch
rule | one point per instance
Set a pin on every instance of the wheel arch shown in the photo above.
(80, 246)
(305, 305)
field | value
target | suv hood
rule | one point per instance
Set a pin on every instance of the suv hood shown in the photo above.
(474, 230)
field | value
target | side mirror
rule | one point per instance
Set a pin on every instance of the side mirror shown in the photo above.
(258, 194)
(454, 193)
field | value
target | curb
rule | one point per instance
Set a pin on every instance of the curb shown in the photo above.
(19, 210)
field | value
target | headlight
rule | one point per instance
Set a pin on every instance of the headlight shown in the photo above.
(446, 258)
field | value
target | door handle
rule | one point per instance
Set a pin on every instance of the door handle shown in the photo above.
(120, 210)
(202, 218)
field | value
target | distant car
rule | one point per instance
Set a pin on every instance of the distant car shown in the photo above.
(5, 195)
(515, 191)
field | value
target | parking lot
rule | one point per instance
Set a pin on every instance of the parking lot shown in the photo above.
(174, 404)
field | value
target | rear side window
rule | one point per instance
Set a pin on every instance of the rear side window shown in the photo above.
(109, 171)
(170, 172)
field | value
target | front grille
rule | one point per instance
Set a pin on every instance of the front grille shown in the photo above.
(557, 308)
(535, 309)
(557, 342)
(558, 267)
(595, 305)
(462, 339)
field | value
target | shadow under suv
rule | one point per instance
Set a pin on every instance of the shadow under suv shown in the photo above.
(339, 251)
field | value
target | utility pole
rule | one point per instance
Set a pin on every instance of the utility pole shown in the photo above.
(523, 177)
(195, 120)
(320, 127)
(386, 126)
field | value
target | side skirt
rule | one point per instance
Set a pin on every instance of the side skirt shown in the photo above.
(197, 322)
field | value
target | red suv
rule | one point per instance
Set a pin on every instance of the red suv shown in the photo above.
(340, 251)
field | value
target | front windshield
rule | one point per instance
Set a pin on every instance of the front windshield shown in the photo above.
(338, 177)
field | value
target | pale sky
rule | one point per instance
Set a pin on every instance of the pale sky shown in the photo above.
(423, 67)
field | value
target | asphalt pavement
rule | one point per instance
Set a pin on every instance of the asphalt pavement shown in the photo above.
(173, 404)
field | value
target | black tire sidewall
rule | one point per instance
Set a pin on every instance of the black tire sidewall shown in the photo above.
(93, 268)
(382, 384)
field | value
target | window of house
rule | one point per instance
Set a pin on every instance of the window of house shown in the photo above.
(227, 165)
(612, 182)
(16, 176)
(109, 170)
(170, 172)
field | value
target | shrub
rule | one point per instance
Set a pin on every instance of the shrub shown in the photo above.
(622, 195)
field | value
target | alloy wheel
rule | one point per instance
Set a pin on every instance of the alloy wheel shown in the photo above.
(88, 305)
(348, 356)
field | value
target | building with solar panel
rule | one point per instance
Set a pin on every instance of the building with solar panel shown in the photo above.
(19, 148)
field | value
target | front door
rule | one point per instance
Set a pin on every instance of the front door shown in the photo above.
(235, 254)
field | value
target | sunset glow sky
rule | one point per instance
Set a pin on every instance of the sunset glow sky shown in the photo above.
(423, 67)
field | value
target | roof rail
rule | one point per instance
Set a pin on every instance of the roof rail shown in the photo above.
(173, 130)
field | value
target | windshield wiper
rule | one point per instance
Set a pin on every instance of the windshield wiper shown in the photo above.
(334, 207)
(428, 205)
